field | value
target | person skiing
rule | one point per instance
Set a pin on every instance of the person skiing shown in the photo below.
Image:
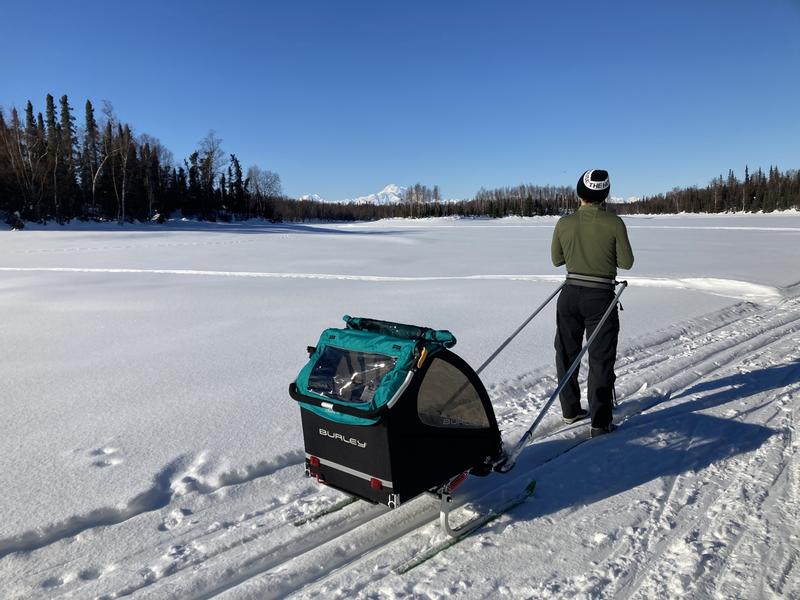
(592, 243)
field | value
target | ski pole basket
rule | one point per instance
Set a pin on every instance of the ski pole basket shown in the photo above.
(389, 412)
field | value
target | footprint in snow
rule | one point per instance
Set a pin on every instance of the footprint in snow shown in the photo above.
(177, 551)
(90, 574)
(148, 575)
(105, 451)
(107, 462)
(105, 457)
(52, 582)
(174, 519)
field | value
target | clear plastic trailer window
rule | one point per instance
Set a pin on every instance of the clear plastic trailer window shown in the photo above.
(348, 375)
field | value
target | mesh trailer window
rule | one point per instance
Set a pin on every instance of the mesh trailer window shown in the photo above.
(349, 375)
(447, 398)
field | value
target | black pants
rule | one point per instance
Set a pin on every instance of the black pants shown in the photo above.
(580, 309)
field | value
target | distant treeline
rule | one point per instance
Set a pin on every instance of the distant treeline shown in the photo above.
(758, 191)
(52, 169)
(524, 200)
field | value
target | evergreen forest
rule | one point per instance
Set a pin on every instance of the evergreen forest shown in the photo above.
(56, 167)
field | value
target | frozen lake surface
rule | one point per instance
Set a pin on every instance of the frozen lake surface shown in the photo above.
(149, 444)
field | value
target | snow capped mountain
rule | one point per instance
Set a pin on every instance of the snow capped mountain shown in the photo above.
(312, 197)
(391, 194)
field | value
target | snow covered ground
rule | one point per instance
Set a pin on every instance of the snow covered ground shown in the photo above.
(149, 447)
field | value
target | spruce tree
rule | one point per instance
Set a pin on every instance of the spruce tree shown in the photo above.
(67, 166)
(223, 192)
(90, 162)
(148, 162)
(193, 187)
(237, 185)
(31, 135)
(53, 153)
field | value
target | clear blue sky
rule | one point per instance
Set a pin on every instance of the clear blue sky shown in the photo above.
(341, 98)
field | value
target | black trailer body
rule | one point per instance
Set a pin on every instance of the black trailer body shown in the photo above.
(439, 424)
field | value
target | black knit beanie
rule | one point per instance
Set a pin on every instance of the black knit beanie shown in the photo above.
(594, 185)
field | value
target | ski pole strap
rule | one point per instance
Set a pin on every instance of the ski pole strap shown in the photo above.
(520, 445)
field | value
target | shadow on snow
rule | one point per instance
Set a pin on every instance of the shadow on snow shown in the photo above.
(659, 444)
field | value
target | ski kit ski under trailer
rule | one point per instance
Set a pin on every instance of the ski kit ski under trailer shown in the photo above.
(389, 412)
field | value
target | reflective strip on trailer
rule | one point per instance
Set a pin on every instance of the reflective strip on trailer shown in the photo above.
(401, 390)
(328, 463)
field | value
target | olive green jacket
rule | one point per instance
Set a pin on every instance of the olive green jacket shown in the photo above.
(592, 241)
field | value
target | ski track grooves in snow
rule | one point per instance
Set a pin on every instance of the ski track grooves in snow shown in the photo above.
(707, 543)
(330, 541)
(328, 555)
(638, 575)
(763, 338)
(729, 288)
(653, 369)
(173, 480)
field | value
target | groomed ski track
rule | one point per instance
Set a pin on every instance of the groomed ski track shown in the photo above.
(691, 533)
(728, 288)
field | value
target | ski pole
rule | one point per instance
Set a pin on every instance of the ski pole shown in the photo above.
(457, 394)
(520, 328)
(514, 455)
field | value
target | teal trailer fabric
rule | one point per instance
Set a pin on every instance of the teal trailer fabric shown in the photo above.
(438, 337)
(365, 365)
